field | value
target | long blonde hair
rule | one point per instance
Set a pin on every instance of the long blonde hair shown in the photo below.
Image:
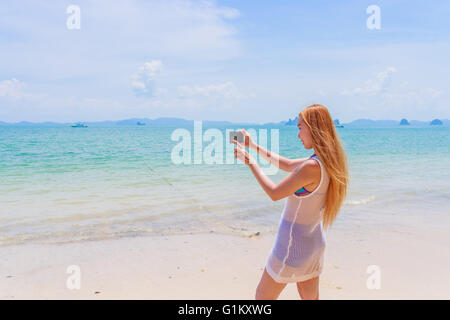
(328, 147)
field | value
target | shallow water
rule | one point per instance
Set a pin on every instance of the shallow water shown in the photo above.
(62, 184)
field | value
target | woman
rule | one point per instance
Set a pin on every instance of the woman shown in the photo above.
(315, 191)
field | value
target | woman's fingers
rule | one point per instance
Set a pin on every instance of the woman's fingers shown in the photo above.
(241, 153)
(237, 144)
(238, 152)
(247, 138)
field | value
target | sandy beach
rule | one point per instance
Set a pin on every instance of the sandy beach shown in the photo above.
(213, 266)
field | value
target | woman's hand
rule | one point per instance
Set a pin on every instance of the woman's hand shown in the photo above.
(242, 154)
(248, 141)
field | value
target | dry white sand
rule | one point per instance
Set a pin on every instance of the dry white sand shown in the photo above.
(212, 266)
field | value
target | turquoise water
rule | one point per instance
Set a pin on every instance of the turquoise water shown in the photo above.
(62, 184)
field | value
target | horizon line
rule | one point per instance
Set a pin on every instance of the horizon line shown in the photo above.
(289, 119)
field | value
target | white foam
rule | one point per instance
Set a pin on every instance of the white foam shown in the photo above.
(362, 201)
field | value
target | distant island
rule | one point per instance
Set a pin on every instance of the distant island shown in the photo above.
(436, 122)
(381, 123)
(180, 122)
(393, 123)
(292, 122)
(404, 122)
(158, 122)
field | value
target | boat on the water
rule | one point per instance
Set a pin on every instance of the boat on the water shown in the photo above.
(140, 123)
(79, 125)
(337, 124)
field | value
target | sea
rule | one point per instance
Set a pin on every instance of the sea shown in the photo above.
(63, 184)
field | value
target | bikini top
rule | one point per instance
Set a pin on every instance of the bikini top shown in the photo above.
(302, 190)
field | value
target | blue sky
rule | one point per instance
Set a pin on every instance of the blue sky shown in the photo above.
(257, 61)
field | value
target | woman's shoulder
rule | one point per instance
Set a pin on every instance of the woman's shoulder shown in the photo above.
(313, 165)
(310, 166)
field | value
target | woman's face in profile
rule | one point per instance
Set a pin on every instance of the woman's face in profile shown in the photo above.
(304, 134)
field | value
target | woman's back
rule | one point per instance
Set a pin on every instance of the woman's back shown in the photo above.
(307, 207)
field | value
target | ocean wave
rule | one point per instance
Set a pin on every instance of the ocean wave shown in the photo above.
(362, 201)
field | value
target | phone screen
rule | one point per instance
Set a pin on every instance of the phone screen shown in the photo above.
(236, 135)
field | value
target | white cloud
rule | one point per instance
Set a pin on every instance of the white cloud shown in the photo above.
(115, 33)
(433, 92)
(374, 86)
(389, 98)
(11, 88)
(223, 90)
(221, 96)
(212, 97)
(423, 97)
(142, 81)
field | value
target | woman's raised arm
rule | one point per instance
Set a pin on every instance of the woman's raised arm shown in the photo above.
(281, 162)
(273, 158)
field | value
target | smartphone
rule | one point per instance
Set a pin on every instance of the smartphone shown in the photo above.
(236, 135)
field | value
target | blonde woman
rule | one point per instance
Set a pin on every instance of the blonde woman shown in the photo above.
(315, 190)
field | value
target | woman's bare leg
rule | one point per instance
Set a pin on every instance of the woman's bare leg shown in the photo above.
(309, 289)
(268, 289)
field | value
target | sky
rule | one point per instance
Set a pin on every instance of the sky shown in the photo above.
(228, 60)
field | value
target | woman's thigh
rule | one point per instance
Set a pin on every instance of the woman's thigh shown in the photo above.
(268, 289)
